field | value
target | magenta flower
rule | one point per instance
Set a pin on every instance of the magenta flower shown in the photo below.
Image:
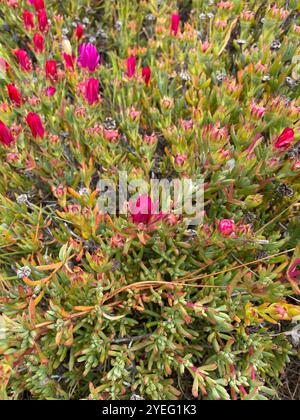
(50, 91)
(180, 159)
(285, 139)
(36, 126)
(38, 5)
(146, 74)
(111, 135)
(79, 32)
(175, 21)
(257, 111)
(69, 61)
(294, 271)
(14, 94)
(3, 65)
(226, 227)
(92, 91)
(39, 43)
(51, 70)
(28, 19)
(43, 21)
(144, 210)
(88, 57)
(131, 66)
(6, 137)
(23, 59)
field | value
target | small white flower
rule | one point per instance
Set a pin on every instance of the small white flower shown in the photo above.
(24, 272)
(110, 124)
(66, 46)
(221, 76)
(295, 335)
(22, 199)
(266, 78)
(184, 76)
(136, 397)
(290, 82)
(150, 17)
(276, 45)
(118, 25)
(83, 191)
(230, 164)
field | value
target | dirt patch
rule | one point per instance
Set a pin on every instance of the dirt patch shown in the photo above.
(290, 389)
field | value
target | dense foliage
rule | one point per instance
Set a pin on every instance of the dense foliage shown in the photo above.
(96, 306)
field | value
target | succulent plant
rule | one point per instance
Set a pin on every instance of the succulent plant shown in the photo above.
(141, 305)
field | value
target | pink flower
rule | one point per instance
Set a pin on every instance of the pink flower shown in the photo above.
(80, 111)
(69, 61)
(6, 137)
(51, 70)
(111, 135)
(285, 139)
(180, 159)
(150, 140)
(144, 210)
(258, 111)
(187, 124)
(39, 43)
(221, 24)
(79, 32)
(33, 100)
(117, 241)
(14, 95)
(88, 57)
(58, 191)
(296, 166)
(146, 74)
(16, 130)
(50, 91)
(28, 19)
(12, 157)
(205, 46)
(12, 3)
(54, 138)
(38, 5)
(294, 271)
(215, 131)
(35, 123)
(131, 66)
(43, 21)
(175, 21)
(172, 219)
(92, 91)
(134, 114)
(248, 15)
(3, 65)
(23, 59)
(223, 153)
(227, 5)
(261, 68)
(226, 227)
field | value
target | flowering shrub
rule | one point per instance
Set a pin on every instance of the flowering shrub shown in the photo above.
(100, 306)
